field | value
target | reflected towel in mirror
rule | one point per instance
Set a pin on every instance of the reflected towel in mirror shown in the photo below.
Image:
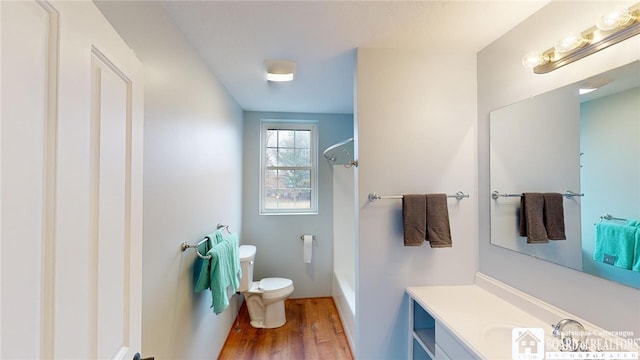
(615, 244)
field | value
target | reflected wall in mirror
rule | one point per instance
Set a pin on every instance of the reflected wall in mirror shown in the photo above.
(560, 141)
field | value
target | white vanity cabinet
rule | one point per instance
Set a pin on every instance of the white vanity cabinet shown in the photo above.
(477, 321)
(431, 340)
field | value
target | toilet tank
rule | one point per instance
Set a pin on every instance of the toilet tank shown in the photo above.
(247, 256)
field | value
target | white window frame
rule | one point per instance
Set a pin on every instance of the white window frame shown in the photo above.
(269, 124)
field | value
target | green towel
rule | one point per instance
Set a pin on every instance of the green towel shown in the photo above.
(225, 270)
(636, 255)
(635, 223)
(202, 267)
(614, 244)
(234, 270)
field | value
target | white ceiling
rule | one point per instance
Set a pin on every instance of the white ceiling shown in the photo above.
(236, 37)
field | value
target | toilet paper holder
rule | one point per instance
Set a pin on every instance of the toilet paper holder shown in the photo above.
(313, 237)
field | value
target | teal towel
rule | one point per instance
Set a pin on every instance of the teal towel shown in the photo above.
(225, 270)
(234, 270)
(614, 244)
(636, 255)
(634, 223)
(202, 267)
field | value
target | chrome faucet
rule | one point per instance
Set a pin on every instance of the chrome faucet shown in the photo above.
(569, 342)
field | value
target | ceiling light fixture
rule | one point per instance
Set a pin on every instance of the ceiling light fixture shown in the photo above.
(612, 28)
(280, 70)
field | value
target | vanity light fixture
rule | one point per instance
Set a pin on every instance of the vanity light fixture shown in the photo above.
(280, 70)
(612, 28)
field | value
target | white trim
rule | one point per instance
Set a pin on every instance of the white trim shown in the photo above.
(310, 125)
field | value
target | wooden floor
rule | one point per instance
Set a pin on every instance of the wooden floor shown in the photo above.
(313, 331)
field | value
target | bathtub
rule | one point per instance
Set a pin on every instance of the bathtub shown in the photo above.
(344, 296)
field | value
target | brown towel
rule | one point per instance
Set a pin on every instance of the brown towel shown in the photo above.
(438, 231)
(554, 216)
(414, 219)
(532, 218)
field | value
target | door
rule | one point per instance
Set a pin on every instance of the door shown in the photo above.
(70, 185)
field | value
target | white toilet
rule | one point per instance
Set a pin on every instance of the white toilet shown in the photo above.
(264, 298)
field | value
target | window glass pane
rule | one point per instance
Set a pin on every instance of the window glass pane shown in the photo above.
(303, 199)
(270, 179)
(286, 138)
(286, 157)
(286, 199)
(271, 156)
(271, 199)
(303, 139)
(302, 178)
(303, 157)
(272, 138)
(284, 179)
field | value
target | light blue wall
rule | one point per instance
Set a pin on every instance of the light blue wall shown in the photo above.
(192, 180)
(277, 237)
(416, 118)
(610, 174)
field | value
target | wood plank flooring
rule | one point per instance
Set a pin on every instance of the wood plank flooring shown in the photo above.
(313, 331)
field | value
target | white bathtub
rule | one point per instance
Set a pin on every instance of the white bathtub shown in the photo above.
(344, 296)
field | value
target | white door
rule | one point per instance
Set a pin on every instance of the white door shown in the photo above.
(70, 185)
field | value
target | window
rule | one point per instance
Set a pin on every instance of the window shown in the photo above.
(288, 176)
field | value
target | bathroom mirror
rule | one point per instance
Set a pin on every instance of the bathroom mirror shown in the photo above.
(563, 141)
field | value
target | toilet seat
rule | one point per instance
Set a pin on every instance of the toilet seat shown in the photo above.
(272, 287)
(273, 284)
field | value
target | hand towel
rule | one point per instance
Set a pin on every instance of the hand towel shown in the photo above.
(225, 271)
(202, 267)
(234, 270)
(635, 266)
(414, 219)
(634, 223)
(614, 244)
(438, 230)
(532, 218)
(554, 216)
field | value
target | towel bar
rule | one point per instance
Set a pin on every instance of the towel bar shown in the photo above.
(185, 245)
(568, 194)
(373, 196)
(606, 216)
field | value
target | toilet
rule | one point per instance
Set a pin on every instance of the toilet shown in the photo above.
(264, 298)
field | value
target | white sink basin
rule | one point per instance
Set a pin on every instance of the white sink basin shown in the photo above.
(499, 333)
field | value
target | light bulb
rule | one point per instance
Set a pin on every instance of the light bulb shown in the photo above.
(570, 43)
(533, 59)
(618, 17)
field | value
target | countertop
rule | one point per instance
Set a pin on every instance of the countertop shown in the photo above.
(481, 321)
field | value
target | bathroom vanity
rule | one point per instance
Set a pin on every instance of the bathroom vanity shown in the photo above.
(477, 321)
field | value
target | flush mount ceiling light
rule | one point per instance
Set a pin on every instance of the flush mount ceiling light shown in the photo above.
(612, 28)
(280, 70)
